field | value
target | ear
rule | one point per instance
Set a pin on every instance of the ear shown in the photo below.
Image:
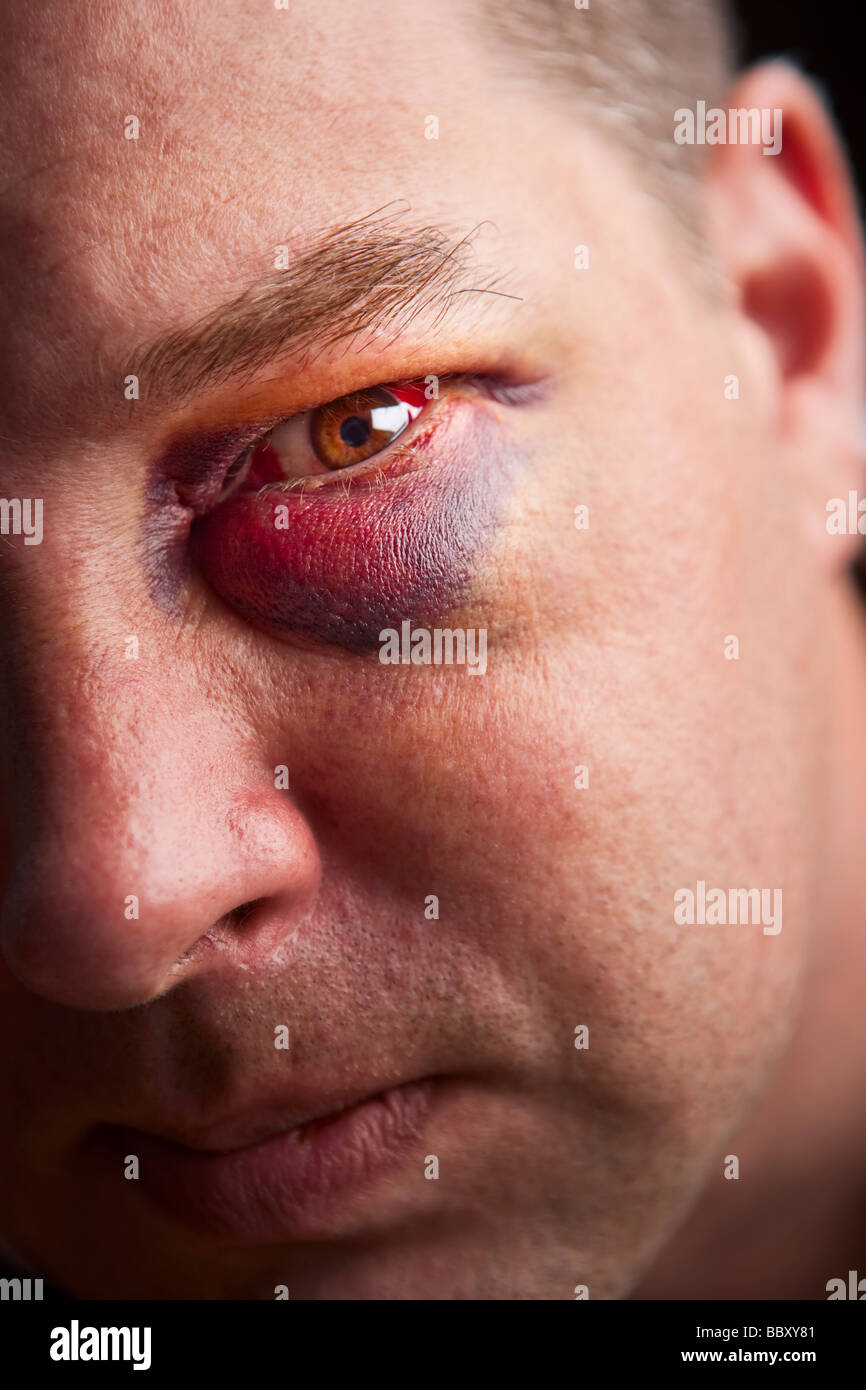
(786, 231)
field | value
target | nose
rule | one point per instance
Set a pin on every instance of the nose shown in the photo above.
(140, 815)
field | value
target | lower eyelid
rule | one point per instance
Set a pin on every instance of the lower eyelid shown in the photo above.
(342, 564)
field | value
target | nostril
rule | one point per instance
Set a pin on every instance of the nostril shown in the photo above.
(228, 924)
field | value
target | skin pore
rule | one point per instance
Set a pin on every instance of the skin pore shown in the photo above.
(261, 906)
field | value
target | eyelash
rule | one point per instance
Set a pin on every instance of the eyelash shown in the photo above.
(495, 388)
(236, 467)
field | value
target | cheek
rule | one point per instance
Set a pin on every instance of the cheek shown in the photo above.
(338, 563)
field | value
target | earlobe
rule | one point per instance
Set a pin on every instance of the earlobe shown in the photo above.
(786, 232)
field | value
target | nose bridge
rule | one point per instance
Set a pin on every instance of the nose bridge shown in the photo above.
(136, 820)
(79, 724)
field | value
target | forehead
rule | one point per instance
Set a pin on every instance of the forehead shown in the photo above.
(257, 127)
(235, 87)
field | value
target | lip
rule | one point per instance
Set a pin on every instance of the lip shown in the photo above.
(301, 1183)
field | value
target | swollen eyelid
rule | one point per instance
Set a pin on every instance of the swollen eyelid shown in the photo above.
(339, 564)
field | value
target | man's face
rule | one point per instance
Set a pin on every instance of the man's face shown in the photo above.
(142, 777)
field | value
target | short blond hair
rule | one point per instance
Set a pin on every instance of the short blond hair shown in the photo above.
(627, 65)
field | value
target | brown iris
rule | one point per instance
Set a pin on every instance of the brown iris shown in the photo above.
(357, 426)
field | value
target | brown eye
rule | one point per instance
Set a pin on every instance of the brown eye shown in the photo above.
(348, 430)
(355, 427)
(333, 436)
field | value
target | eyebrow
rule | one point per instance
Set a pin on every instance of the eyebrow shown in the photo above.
(358, 278)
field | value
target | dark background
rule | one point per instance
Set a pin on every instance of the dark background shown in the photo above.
(825, 38)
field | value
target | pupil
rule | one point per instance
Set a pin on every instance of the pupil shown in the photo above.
(354, 431)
